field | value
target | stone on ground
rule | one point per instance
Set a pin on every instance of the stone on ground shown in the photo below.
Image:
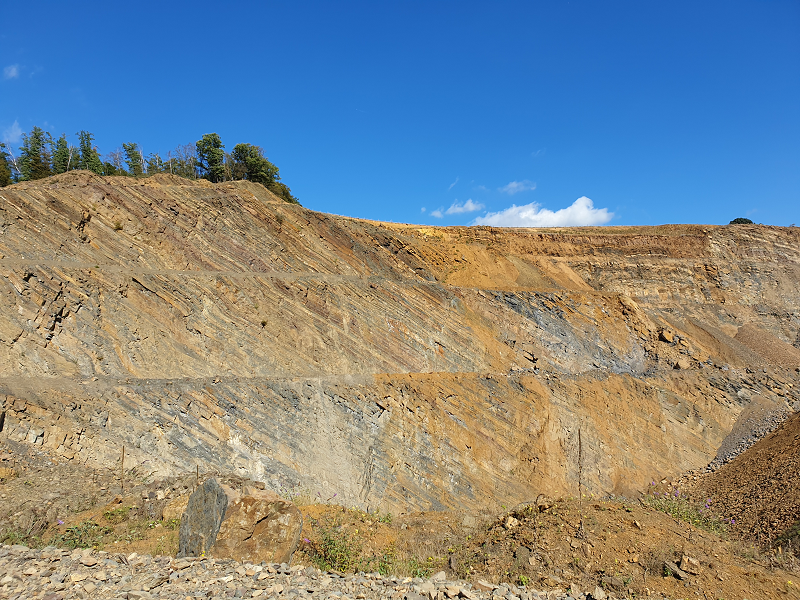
(201, 522)
(254, 526)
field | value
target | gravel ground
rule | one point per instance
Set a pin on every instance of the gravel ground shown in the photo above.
(53, 574)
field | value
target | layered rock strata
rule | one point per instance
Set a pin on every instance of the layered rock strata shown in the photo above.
(216, 327)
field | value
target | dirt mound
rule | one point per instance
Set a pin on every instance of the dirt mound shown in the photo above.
(622, 547)
(760, 489)
(759, 418)
(767, 345)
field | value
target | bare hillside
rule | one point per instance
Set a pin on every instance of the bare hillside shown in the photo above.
(216, 327)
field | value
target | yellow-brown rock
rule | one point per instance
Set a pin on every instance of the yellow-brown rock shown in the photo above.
(213, 326)
(253, 526)
(258, 526)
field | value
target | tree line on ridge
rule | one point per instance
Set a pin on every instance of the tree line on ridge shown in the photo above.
(40, 156)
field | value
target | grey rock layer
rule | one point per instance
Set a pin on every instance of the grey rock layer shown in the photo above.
(201, 522)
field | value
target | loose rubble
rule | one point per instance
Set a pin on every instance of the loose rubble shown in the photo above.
(54, 574)
(757, 431)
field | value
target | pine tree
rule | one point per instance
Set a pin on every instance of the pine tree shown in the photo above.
(250, 162)
(34, 160)
(154, 164)
(90, 158)
(61, 156)
(133, 158)
(211, 157)
(5, 166)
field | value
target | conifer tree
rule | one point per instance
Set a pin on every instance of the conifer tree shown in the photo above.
(34, 160)
(154, 164)
(133, 158)
(5, 167)
(211, 157)
(250, 161)
(90, 158)
(62, 157)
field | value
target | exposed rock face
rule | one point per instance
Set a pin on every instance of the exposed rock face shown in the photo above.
(399, 366)
(256, 526)
(202, 519)
(259, 526)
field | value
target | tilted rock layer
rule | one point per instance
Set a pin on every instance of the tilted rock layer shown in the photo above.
(214, 327)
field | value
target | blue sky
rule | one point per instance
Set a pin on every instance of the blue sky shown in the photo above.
(508, 113)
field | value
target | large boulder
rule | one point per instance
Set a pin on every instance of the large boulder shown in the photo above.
(201, 521)
(253, 526)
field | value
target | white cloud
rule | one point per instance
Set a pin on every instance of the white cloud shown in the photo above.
(468, 206)
(452, 184)
(581, 212)
(516, 187)
(11, 72)
(423, 209)
(437, 213)
(12, 134)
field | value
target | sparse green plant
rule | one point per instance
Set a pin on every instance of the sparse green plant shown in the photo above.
(117, 515)
(14, 536)
(87, 534)
(385, 564)
(684, 509)
(167, 545)
(385, 518)
(418, 568)
(117, 226)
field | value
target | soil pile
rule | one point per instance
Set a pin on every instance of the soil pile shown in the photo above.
(759, 491)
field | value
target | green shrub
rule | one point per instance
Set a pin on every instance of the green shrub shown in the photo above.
(741, 221)
(336, 550)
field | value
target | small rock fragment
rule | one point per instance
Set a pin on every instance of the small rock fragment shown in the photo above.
(690, 565)
(677, 572)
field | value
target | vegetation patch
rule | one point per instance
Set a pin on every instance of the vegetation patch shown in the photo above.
(334, 549)
(683, 508)
(87, 534)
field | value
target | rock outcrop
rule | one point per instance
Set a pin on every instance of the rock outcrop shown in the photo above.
(216, 327)
(255, 526)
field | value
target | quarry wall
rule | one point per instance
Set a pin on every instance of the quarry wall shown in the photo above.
(213, 326)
